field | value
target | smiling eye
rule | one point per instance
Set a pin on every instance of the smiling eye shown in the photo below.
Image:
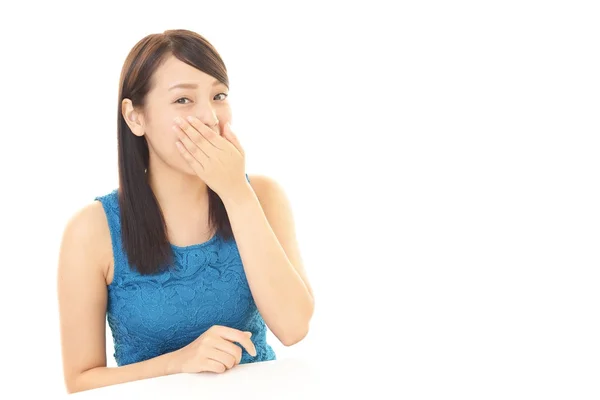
(182, 98)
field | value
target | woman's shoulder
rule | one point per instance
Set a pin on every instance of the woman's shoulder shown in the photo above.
(87, 233)
(89, 220)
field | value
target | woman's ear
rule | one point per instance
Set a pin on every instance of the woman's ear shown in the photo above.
(132, 118)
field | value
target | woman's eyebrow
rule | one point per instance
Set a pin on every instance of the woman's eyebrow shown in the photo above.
(189, 85)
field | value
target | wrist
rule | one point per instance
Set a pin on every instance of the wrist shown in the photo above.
(240, 195)
(173, 362)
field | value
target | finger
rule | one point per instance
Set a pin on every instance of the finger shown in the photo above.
(223, 357)
(248, 345)
(188, 134)
(229, 348)
(187, 156)
(211, 365)
(201, 134)
(233, 138)
(235, 335)
(198, 153)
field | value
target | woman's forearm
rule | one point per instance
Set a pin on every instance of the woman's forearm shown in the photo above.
(107, 376)
(281, 295)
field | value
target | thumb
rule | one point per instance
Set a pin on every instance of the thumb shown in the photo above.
(229, 135)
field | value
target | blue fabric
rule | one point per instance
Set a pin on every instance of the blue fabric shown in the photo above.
(156, 314)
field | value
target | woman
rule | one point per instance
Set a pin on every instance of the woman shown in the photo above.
(190, 259)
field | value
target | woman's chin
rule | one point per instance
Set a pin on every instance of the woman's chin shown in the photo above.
(188, 170)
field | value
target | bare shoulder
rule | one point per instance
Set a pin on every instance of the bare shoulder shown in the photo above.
(267, 188)
(87, 236)
(87, 226)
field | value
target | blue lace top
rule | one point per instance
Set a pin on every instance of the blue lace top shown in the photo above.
(150, 315)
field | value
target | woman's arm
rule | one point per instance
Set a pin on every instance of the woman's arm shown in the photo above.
(263, 226)
(85, 256)
(83, 263)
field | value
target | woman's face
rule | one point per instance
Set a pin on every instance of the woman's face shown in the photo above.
(178, 90)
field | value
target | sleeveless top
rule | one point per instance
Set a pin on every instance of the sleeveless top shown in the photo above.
(150, 315)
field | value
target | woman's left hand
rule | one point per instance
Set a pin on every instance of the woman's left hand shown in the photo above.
(218, 160)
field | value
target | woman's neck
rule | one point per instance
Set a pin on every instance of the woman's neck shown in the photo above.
(181, 196)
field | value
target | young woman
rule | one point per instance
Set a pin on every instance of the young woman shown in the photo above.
(190, 259)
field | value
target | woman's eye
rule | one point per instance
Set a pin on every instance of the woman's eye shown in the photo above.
(183, 98)
(224, 96)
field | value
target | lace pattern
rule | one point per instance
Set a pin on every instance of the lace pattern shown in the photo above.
(150, 315)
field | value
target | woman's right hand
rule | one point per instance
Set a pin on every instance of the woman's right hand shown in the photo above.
(214, 351)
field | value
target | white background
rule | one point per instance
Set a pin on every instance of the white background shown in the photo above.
(441, 159)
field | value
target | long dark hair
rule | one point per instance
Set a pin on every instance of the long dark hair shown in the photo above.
(143, 228)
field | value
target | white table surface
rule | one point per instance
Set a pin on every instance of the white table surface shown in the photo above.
(290, 378)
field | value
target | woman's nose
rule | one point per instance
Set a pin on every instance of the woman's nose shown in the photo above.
(207, 116)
